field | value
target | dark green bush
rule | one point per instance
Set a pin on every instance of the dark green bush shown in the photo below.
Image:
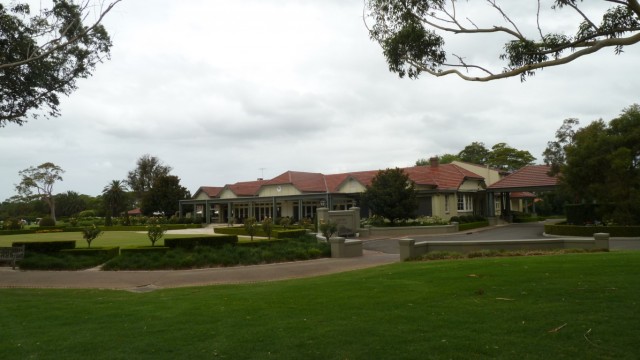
(227, 255)
(588, 231)
(472, 225)
(145, 249)
(105, 252)
(12, 224)
(61, 261)
(192, 242)
(45, 247)
(47, 221)
(289, 234)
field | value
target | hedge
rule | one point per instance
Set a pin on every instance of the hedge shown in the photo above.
(144, 249)
(289, 234)
(109, 252)
(45, 229)
(277, 233)
(45, 247)
(472, 225)
(588, 231)
(190, 243)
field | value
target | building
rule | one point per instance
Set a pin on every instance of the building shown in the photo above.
(444, 190)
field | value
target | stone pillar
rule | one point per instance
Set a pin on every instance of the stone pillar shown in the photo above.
(323, 215)
(356, 219)
(407, 248)
(456, 226)
(602, 240)
(337, 247)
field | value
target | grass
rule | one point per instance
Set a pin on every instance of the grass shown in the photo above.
(106, 239)
(563, 306)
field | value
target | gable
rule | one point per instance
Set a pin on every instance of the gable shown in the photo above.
(278, 190)
(351, 186)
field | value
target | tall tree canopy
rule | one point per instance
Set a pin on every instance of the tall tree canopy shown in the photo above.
(391, 195)
(600, 163)
(42, 55)
(115, 197)
(412, 34)
(36, 182)
(501, 156)
(164, 196)
(506, 158)
(148, 169)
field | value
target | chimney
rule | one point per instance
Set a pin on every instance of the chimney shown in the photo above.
(434, 162)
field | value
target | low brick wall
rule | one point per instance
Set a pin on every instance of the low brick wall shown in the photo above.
(342, 248)
(407, 230)
(410, 249)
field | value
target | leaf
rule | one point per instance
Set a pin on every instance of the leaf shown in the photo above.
(558, 328)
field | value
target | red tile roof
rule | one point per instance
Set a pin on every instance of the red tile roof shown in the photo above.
(529, 178)
(303, 181)
(442, 177)
(246, 188)
(522, 195)
(211, 191)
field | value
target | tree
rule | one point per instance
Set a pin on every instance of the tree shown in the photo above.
(506, 158)
(90, 233)
(554, 155)
(600, 164)
(328, 229)
(114, 196)
(412, 36)
(148, 169)
(69, 203)
(267, 226)
(475, 153)
(164, 196)
(251, 226)
(42, 55)
(442, 159)
(391, 195)
(155, 230)
(40, 179)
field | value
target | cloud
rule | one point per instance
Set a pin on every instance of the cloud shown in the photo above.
(233, 91)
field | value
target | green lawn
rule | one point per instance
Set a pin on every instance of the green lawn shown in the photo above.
(107, 238)
(574, 306)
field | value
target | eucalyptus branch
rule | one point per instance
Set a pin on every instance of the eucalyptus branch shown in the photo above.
(64, 44)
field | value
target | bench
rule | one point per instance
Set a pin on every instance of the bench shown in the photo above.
(12, 254)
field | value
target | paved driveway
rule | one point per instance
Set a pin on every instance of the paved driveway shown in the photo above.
(506, 232)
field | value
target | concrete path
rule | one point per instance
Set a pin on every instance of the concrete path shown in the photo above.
(143, 281)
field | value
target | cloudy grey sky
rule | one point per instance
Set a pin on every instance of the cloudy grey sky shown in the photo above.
(226, 91)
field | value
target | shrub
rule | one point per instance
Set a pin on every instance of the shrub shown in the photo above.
(192, 242)
(105, 252)
(267, 226)
(12, 224)
(61, 261)
(588, 231)
(45, 247)
(328, 229)
(290, 234)
(86, 214)
(155, 231)
(251, 226)
(472, 225)
(90, 233)
(47, 221)
(144, 249)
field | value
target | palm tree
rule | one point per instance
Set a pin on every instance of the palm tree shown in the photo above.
(114, 196)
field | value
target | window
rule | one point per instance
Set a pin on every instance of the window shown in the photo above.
(446, 203)
(465, 202)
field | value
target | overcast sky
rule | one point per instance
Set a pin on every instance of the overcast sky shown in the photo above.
(227, 91)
